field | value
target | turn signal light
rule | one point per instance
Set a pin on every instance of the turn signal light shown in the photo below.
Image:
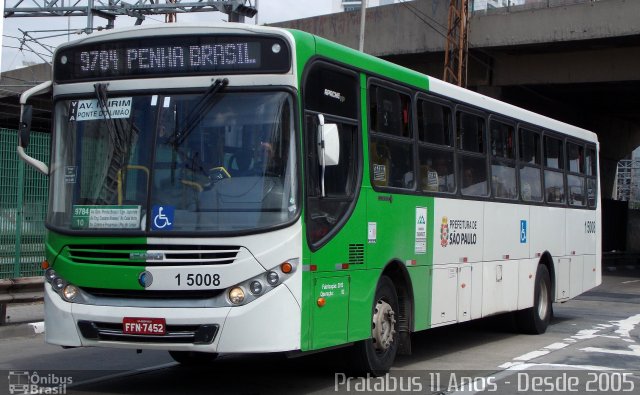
(44, 265)
(286, 268)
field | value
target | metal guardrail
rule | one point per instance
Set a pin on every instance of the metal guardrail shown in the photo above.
(19, 290)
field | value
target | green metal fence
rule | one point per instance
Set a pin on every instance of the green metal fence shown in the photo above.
(23, 204)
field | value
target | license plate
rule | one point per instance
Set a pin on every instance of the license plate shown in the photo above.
(143, 326)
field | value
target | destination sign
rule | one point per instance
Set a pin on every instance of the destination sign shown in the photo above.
(171, 56)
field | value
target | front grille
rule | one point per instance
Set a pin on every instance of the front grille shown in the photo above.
(185, 334)
(151, 255)
(147, 294)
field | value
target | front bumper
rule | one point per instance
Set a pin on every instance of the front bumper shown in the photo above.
(268, 324)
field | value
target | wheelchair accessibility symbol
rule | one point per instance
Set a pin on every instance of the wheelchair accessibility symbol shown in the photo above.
(162, 217)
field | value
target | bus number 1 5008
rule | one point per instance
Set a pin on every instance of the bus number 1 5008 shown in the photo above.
(590, 227)
(199, 279)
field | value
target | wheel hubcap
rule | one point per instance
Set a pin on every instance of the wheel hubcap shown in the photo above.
(543, 301)
(383, 326)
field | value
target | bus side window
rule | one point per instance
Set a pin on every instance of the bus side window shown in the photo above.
(553, 170)
(503, 169)
(381, 164)
(323, 85)
(474, 176)
(391, 144)
(530, 165)
(472, 160)
(437, 170)
(592, 181)
(575, 175)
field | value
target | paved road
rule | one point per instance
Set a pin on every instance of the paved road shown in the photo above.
(592, 343)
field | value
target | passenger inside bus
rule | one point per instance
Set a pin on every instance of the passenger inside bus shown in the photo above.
(240, 164)
(474, 184)
(429, 177)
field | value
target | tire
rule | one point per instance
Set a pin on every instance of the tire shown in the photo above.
(375, 355)
(193, 358)
(535, 320)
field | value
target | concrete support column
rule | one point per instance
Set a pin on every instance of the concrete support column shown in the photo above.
(608, 172)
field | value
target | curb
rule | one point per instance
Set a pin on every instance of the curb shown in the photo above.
(21, 330)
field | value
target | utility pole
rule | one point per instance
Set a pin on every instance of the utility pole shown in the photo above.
(457, 43)
(363, 11)
(170, 17)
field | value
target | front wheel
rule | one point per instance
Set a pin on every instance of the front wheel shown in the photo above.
(193, 358)
(535, 320)
(376, 354)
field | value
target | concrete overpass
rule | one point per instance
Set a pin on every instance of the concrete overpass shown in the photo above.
(574, 60)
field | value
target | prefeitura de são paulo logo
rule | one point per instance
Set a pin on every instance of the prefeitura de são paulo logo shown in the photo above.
(444, 232)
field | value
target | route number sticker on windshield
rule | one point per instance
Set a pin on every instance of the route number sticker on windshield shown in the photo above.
(105, 217)
(89, 110)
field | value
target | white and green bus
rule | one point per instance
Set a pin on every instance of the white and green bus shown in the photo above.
(246, 189)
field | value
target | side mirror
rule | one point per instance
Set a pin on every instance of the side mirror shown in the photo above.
(328, 147)
(329, 144)
(25, 125)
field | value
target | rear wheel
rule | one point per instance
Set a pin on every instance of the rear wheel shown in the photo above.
(376, 354)
(535, 320)
(193, 358)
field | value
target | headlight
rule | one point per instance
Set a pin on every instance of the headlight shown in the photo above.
(255, 287)
(50, 275)
(236, 295)
(70, 292)
(273, 278)
(58, 284)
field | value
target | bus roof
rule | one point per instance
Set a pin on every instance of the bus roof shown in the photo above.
(173, 29)
(365, 62)
(403, 75)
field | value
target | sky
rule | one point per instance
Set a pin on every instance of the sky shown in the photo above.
(269, 11)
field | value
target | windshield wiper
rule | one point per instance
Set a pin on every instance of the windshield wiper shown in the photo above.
(198, 112)
(101, 96)
(120, 139)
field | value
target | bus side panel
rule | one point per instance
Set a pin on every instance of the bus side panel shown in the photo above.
(506, 231)
(589, 273)
(526, 281)
(421, 278)
(506, 241)
(457, 264)
(578, 244)
(328, 325)
(393, 235)
(548, 230)
(330, 319)
(460, 227)
(582, 238)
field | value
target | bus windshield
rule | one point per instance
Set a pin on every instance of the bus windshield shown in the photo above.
(222, 162)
